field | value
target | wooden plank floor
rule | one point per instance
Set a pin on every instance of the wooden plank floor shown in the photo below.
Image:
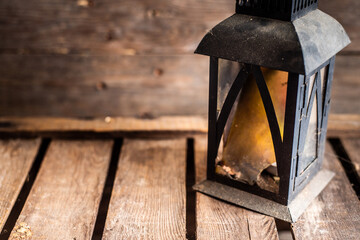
(139, 189)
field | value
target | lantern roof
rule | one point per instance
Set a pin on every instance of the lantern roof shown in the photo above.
(299, 46)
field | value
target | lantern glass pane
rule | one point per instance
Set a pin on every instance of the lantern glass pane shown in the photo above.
(246, 152)
(324, 76)
(310, 149)
(309, 153)
(228, 70)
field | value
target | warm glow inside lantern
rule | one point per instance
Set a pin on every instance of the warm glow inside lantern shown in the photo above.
(271, 68)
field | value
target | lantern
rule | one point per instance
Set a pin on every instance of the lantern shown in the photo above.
(271, 69)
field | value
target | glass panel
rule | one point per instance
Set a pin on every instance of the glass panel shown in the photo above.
(324, 75)
(310, 148)
(248, 153)
(228, 70)
(309, 152)
(310, 86)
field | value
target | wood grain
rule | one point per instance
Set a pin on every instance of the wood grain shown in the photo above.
(76, 58)
(148, 198)
(81, 86)
(105, 124)
(130, 86)
(219, 220)
(345, 91)
(335, 213)
(339, 125)
(124, 27)
(16, 158)
(64, 199)
(352, 147)
(346, 125)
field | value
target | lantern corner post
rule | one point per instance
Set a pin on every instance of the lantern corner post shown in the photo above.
(288, 157)
(212, 149)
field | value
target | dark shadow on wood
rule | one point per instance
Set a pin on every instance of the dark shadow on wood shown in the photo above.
(25, 190)
(78, 134)
(347, 164)
(284, 230)
(190, 193)
(106, 195)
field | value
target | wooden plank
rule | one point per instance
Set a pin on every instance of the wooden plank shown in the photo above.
(343, 125)
(65, 196)
(78, 86)
(102, 127)
(125, 28)
(345, 91)
(16, 158)
(148, 198)
(352, 147)
(339, 125)
(335, 213)
(219, 220)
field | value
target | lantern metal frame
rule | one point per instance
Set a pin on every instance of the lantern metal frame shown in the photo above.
(299, 49)
(297, 115)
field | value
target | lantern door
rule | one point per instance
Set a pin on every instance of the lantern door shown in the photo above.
(314, 100)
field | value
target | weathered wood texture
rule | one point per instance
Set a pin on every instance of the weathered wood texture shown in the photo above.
(339, 125)
(343, 125)
(219, 220)
(345, 91)
(335, 213)
(16, 158)
(64, 200)
(352, 147)
(129, 86)
(73, 85)
(176, 125)
(148, 198)
(126, 27)
(73, 58)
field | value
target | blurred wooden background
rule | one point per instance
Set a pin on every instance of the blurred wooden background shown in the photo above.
(79, 58)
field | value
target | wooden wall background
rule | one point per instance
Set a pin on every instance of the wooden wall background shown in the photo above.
(80, 58)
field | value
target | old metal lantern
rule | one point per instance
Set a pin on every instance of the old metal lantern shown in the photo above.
(271, 69)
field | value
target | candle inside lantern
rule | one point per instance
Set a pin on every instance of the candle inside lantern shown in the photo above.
(248, 147)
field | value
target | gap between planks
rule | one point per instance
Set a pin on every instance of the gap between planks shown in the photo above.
(335, 213)
(64, 199)
(148, 198)
(352, 147)
(220, 220)
(16, 158)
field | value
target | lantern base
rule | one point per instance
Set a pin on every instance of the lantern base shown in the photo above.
(288, 213)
